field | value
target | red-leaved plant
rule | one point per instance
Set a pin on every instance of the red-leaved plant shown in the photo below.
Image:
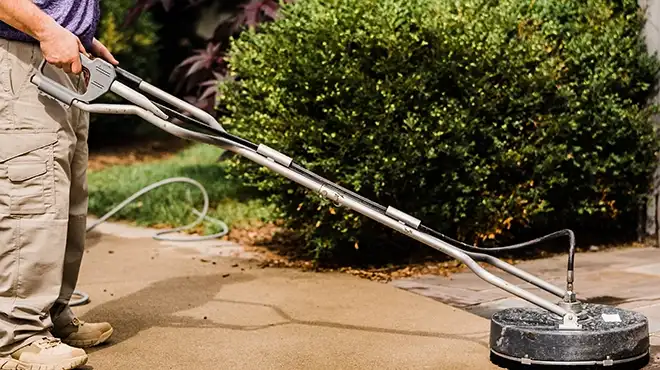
(198, 75)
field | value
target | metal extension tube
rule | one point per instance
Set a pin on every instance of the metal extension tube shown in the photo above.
(281, 164)
(468, 258)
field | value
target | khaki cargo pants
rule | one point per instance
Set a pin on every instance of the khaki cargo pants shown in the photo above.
(43, 198)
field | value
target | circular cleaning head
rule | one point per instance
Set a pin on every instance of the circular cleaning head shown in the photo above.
(531, 336)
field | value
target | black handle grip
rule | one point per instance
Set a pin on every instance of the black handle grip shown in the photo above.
(128, 76)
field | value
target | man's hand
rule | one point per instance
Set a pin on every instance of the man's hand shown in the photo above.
(62, 48)
(99, 50)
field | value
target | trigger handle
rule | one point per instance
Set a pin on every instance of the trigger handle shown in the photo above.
(101, 75)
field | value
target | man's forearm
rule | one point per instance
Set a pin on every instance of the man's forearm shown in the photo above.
(26, 17)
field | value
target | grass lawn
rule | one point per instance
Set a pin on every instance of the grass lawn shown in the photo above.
(171, 205)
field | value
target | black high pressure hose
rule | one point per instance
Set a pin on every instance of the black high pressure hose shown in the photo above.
(556, 234)
(382, 209)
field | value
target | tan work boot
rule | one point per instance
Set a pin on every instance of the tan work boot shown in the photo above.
(46, 354)
(8, 363)
(83, 334)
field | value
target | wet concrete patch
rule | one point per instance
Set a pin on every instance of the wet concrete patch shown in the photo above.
(608, 300)
(161, 304)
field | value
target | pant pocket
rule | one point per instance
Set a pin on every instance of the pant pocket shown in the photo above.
(28, 186)
(27, 163)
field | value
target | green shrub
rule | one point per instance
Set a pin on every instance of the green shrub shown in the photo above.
(489, 120)
(136, 49)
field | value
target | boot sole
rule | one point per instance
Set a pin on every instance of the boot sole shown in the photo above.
(69, 364)
(90, 342)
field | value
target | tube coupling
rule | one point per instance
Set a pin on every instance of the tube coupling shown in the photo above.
(403, 217)
(274, 155)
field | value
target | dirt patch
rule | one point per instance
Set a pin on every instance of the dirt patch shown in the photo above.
(606, 300)
(277, 251)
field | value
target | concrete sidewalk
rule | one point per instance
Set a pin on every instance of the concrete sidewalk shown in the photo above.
(179, 308)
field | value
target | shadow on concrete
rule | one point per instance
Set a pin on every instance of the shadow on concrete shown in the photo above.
(158, 304)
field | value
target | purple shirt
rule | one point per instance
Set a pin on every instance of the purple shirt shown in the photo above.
(81, 17)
